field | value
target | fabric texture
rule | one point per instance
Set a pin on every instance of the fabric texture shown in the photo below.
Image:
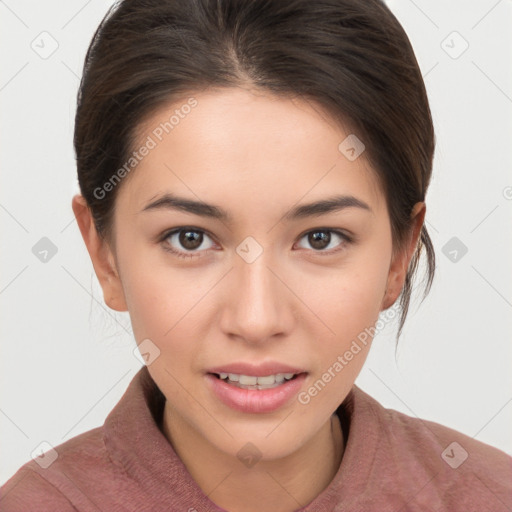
(392, 462)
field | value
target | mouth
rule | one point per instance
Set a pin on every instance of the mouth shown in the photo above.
(263, 393)
(256, 382)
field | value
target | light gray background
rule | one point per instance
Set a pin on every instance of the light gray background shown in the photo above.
(67, 359)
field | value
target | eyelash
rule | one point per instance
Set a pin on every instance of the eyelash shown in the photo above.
(181, 254)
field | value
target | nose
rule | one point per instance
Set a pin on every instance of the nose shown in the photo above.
(259, 305)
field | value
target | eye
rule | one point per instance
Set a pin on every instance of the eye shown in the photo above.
(186, 242)
(187, 239)
(321, 238)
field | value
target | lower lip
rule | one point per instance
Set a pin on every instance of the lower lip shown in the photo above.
(255, 400)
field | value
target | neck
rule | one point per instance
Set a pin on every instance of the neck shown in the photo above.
(281, 485)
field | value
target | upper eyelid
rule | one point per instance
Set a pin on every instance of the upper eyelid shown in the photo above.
(340, 232)
(167, 234)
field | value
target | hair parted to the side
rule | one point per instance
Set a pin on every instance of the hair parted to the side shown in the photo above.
(351, 58)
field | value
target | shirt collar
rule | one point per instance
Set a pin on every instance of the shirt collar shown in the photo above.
(135, 442)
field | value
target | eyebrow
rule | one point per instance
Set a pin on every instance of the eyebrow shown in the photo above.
(332, 204)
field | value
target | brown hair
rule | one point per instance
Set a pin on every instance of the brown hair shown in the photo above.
(350, 57)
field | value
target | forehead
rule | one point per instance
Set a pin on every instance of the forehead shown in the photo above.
(237, 145)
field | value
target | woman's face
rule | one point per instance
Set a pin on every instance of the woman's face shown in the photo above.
(260, 284)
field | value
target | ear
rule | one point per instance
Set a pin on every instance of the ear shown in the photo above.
(400, 261)
(102, 257)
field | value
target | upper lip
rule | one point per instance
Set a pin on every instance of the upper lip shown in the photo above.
(256, 370)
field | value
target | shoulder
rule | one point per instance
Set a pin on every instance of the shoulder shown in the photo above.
(451, 468)
(28, 490)
(47, 483)
(421, 436)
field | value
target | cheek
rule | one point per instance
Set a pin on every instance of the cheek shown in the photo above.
(159, 310)
(349, 306)
(157, 304)
(166, 304)
(348, 298)
(155, 295)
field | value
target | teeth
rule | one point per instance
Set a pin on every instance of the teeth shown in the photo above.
(269, 379)
(251, 380)
(246, 380)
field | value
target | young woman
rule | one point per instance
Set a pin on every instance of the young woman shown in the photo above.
(253, 176)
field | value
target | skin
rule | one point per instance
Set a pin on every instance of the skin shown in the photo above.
(255, 156)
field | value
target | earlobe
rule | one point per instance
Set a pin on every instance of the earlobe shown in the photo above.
(101, 256)
(400, 262)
